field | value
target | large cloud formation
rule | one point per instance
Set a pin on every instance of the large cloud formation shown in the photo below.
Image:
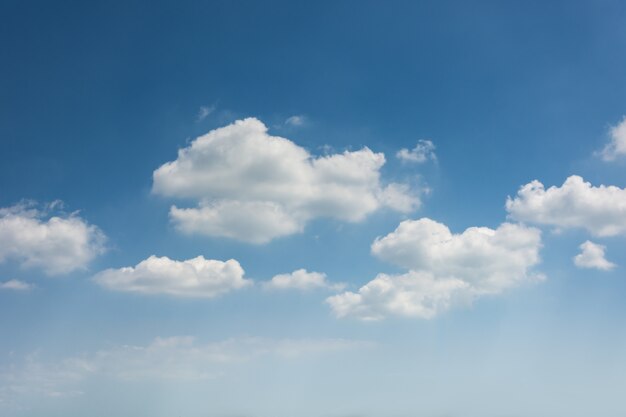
(445, 269)
(197, 277)
(55, 244)
(255, 187)
(576, 204)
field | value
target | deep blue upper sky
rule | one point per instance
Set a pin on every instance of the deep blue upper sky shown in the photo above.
(90, 88)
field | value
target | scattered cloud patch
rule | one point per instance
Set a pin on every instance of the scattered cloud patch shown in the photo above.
(422, 152)
(592, 256)
(57, 244)
(576, 204)
(204, 112)
(254, 187)
(197, 277)
(296, 121)
(16, 285)
(445, 269)
(302, 280)
(617, 142)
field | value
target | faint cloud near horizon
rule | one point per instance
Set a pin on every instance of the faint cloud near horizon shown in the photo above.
(179, 359)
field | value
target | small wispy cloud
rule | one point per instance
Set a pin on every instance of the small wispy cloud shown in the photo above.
(302, 280)
(204, 112)
(16, 285)
(295, 120)
(422, 152)
(617, 143)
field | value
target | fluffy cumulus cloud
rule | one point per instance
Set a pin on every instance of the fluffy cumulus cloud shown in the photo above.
(197, 277)
(56, 244)
(254, 187)
(414, 294)
(592, 256)
(302, 280)
(422, 152)
(16, 285)
(600, 210)
(617, 142)
(445, 269)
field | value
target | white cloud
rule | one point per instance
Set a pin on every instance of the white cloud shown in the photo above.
(250, 221)
(180, 359)
(197, 277)
(576, 204)
(297, 120)
(592, 256)
(255, 187)
(617, 145)
(414, 294)
(55, 244)
(490, 260)
(445, 269)
(422, 152)
(400, 198)
(302, 280)
(204, 112)
(16, 285)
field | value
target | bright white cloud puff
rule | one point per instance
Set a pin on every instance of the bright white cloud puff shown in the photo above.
(617, 142)
(302, 280)
(255, 187)
(414, 294)
(592, 256)
(445, 269)
(197, 277)
(57, 244)
(576, 204)
(423, 151)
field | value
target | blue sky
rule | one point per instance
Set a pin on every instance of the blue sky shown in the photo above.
(146, 144)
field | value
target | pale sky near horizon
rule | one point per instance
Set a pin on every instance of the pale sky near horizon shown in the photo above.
(313, 209)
